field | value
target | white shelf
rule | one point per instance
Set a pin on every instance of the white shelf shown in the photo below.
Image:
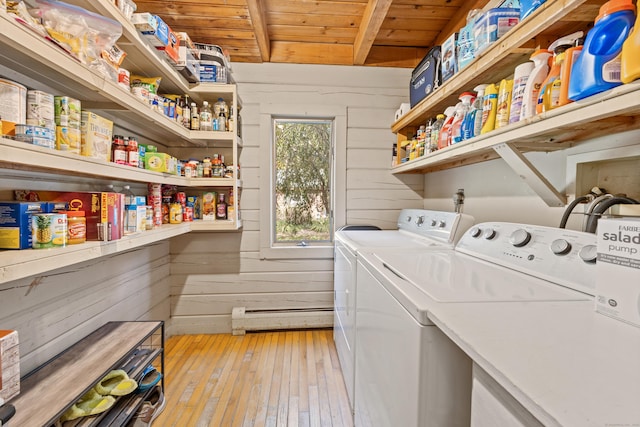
(17, 264)
(24, 155)
(211, 182)
(218, 225)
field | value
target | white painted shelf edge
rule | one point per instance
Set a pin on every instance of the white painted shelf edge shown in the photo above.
(30, 262)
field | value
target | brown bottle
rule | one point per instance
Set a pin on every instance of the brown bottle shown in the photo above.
(221, 207)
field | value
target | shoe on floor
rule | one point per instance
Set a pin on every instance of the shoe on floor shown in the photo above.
(150, 409)
(116, 383)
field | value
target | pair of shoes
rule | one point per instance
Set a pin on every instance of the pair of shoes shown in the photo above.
(150, 409)
(150, 377)
(92, 403)
(116, 383)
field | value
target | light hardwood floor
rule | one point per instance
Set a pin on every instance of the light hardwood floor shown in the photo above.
(288, 378)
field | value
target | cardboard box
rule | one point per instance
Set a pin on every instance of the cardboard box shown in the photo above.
(618, 269)
(104, 211)
(15, 223)
(160, 162)
(449, 61)
(135, 218)
(96, 135)
(144, 22)
(158, 36)
(171, 48)
(9, 365)
(208, 208)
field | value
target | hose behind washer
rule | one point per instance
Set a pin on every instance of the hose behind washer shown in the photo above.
(592, 221)
(570, 208)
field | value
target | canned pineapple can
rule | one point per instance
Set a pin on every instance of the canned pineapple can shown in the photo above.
(48, 230)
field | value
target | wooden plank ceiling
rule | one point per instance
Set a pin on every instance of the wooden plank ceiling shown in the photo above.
(392, 33)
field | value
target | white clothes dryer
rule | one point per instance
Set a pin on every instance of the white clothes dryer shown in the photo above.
(417, 228)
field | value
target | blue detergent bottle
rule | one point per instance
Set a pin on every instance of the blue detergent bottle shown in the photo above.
(597, 68)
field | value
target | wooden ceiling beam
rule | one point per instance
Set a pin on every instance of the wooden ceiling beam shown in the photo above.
(259, 20)
(374, 15)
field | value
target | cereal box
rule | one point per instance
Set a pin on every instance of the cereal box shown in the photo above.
(96, 133)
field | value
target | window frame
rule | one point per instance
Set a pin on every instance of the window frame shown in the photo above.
(268, 112)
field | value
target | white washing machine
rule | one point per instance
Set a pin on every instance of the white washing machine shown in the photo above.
(417, 228)
(407, 372)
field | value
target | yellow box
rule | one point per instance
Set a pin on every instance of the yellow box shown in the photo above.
(96, 133)
(9, 365)
(68, 139)
(159, 162)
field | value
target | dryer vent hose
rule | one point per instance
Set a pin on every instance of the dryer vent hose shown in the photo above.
(592, 221)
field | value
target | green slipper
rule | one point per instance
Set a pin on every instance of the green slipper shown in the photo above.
(116, 383)
(91, 403)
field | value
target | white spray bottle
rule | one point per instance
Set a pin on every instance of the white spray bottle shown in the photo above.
(540, 71)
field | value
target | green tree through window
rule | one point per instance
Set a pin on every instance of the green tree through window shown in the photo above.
(303, 176)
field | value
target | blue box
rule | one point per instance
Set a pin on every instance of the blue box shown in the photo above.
(160, 36)
(15, 223)
(449, 61)
(208, 72)
(426, 77)
(492, 25)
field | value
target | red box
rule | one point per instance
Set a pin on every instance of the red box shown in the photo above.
(99, 207)
(171, 50)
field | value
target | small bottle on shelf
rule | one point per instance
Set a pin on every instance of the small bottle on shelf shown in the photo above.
(118, 153)
(133, 156)
(222, 122)
(195, 117)
(206, 167)
(221, 207)
(186, 112)
(205, 117)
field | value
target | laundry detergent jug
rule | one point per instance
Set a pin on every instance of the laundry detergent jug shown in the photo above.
(598, 66)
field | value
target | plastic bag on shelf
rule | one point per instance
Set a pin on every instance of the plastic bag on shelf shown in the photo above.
(82, 33)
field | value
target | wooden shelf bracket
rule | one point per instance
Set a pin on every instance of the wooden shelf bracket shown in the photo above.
(528, 172)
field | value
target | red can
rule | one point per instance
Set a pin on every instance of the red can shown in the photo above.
(187, 214)
(181, 197)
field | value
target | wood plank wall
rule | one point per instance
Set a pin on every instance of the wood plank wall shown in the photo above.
(213, 272)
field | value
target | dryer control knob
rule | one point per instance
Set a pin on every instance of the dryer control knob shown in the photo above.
(475, 232)
(560, 247)
(489, 234)
(408, 218)
(420, 220)
(442, 224)
(433, 222)
(589, 253)
(520, 238)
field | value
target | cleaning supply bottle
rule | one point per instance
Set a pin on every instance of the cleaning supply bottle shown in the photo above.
(477, 116)
(558, 47)
(435, 132)
(555, 85)
(520, 77)
(598, 66)
(504, 103)
(473, 119)
(540, 71)
(630, 62)
(462, 109)
(489, 108)
(570, 56)
(444, 138)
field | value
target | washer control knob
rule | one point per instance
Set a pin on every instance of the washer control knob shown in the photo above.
(520, 238)
(433, 222)
(489, 234)
(442, 224)
(420, 220)
(475, 232)
(408, 219)
(589, 253)
(560, 247)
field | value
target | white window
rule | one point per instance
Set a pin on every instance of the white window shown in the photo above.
(302, 180)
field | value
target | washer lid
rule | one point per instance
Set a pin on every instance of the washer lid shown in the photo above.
(361, 239)
(449, 277)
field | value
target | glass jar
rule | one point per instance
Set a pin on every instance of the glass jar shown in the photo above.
(118, 153)
(133, 156)
(76, 227)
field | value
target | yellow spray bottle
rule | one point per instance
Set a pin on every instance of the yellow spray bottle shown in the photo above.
(489, 108)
